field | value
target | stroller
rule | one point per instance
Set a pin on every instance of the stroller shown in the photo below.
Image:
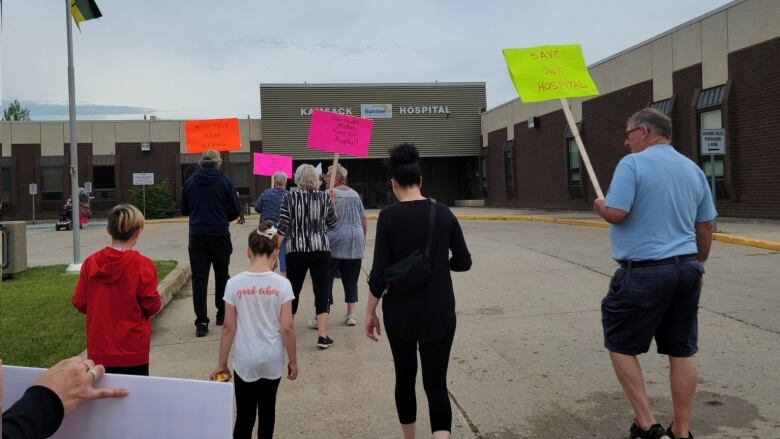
(65, 221)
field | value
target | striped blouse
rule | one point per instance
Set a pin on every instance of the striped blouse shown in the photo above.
(305, 218)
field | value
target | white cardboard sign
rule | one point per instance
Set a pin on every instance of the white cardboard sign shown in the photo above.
(143, 178)
(155, 407)
(713, 141)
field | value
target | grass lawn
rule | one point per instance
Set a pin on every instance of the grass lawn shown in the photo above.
(38, 325)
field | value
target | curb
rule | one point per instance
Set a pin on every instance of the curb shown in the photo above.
(750, 242)
(167, 287)
(717, 236)
(173, 282)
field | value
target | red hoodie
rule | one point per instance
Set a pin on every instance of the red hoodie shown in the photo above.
(118, 292)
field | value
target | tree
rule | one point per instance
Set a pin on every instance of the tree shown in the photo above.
(15, 111)
(159, 200)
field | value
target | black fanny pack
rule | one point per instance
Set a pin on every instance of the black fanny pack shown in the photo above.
(413, 272)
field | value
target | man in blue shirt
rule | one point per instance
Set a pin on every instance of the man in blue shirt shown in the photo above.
(209, 198)
(660, 211)
(268, 205)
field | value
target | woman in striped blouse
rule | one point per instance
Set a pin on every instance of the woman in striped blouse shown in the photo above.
(305, 217)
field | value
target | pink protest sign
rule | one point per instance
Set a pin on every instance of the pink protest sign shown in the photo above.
(339, 133)
(269, 164)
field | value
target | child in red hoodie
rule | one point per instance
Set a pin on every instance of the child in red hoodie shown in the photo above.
(117, 290)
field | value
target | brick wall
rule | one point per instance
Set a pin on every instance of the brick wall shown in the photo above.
(497, 193)
(753, 141)
(686, 83)
(541, 167)
(604, 120)
(26, 170)
(161, 160)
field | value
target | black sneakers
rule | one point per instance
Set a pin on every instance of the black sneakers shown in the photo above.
(672, 436)
(201, 329)
(655, 432)
(324, 342)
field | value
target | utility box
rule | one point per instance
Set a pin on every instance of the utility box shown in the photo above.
(14, 247)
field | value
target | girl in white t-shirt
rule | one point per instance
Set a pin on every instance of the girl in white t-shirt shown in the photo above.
(258, 315)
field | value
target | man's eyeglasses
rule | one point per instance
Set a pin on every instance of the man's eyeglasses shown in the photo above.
(628, 133)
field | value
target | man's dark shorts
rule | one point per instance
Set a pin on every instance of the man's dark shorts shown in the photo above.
(658, 301)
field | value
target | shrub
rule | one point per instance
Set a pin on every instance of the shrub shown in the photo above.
(159, 201)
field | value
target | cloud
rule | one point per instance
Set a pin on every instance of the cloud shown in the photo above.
(290, 45)
(53, 111)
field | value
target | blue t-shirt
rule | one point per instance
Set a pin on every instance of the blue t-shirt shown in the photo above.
(268, 204)
(665, 194)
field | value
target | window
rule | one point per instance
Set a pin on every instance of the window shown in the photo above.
(573, 160)
(709, 107)
(238, 169)
(508, 166)
(189, 164)
(6, 178)
(664, 106)
(103, 177)
(52, 177)
(186, 172)
(708, 120)
(104, 183)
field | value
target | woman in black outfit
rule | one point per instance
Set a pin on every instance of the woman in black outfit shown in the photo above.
(423, 319)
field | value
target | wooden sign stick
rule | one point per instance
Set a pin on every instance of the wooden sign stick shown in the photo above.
(581, 147)
(333, 170)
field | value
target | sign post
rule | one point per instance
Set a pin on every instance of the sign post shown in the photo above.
(33, 192)
(554, 72)
(143, 179)
(713, 142)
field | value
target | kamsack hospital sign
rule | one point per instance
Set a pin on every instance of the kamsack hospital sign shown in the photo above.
(382, 111)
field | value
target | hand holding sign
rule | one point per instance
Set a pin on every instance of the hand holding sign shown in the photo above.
(554, 72)
(218, 134)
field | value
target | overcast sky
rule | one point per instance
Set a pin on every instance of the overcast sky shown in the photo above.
(180, 59)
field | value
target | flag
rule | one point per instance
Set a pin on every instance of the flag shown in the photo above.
(83, 10)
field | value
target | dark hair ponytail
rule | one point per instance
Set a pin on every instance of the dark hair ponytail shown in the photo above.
(405, 164)
(261, 245)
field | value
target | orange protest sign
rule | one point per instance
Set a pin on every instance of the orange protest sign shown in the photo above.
(219, 134)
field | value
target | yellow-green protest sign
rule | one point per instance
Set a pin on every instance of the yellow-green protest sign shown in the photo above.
(549, 72)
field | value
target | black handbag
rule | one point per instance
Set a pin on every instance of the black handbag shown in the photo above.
(413, 272)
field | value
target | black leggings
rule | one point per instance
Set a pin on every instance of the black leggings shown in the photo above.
(434, 358)
(298, 263)
(255, 398)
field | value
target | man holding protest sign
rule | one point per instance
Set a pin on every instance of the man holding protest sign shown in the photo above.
(661, 211)
(209, 198)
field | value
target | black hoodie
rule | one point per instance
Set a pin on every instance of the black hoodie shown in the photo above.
(210, 199)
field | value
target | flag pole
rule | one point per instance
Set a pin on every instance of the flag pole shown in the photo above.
(75, 267)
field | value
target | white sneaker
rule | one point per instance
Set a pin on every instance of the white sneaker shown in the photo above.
(350, 320)
(312, 324)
